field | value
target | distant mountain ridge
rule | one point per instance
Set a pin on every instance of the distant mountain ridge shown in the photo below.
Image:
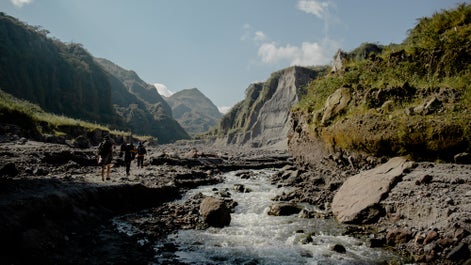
(194, 111)
(139, 104)
(66, 79)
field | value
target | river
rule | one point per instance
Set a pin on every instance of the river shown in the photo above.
(254, 237)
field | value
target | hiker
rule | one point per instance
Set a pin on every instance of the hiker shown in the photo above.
(129, 154)
(105, 155)
(141, 151)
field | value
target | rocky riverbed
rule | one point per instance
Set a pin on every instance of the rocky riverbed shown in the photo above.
(55, 209)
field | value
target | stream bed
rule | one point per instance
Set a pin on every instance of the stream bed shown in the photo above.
(254, 237)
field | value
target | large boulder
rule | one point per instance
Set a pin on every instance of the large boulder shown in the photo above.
(357, 200)
(215, 212)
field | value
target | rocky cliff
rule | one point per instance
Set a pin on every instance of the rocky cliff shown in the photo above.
(262, 119)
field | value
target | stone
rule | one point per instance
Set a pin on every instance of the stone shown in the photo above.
(431, 236)
(283, 209)
(335, 104)
(215, 212)
(426, 179)
(357, 200)
(398, 236)
(460, 252)
(463, 158)
(338, 248)
(9, 170)
(81, 142)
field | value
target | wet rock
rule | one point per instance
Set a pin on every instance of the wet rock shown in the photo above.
(283, 209)
(338, 248)
(215, 212)
(377, 242)
(241, 188)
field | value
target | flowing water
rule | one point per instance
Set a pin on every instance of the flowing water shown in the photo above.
(254, 237)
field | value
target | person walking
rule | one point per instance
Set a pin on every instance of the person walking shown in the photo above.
(129, 154)
(105, 156)
(141, 152)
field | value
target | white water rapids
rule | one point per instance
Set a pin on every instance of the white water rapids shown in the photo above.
(254, 237)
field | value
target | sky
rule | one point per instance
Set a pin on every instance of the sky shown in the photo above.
(221, 46)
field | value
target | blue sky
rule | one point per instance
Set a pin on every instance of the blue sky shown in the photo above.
(221, 46)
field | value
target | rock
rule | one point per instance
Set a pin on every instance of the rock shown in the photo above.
(335, 104)
(432, 105)
(215, 212)
(283, 209)
(426, 179)
(377, 242)
(398, 236)
(241, 188)
(40, 172)
(338, 248)
(357, 200)
(463, 158)
(9, 170)
(460, 252)
(431, 236)
(81, 142)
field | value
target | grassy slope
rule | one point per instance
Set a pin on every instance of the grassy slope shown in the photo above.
(433, 62)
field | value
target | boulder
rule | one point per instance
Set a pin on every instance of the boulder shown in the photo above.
(357, 200)
(215, 212)
(283, 209)
(335, 104)
(9, 169)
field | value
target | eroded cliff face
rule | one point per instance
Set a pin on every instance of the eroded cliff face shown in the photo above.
(262, 119)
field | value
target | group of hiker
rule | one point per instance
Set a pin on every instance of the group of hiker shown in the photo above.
(127, 149)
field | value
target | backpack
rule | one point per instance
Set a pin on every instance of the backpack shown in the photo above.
(103, 147)
(141, 150)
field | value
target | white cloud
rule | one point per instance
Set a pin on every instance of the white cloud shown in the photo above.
(260, 36)
(309, 53)
(251, 34)
(21, 3)
(317, 8)
(163, 90)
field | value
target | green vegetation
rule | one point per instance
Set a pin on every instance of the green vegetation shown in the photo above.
(390, 87)
(36, 122)
(65, 79)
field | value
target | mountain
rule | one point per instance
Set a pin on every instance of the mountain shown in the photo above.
(61, 78)
(194, 111)
(139, 104)
(66, 79)
(262, 119)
